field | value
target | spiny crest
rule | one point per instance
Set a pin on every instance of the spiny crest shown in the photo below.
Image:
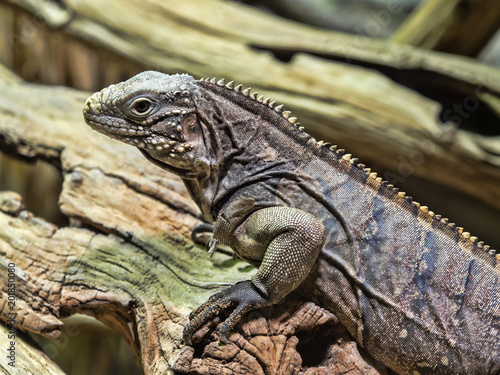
(255, 96)
(341, 155)
(372, 176)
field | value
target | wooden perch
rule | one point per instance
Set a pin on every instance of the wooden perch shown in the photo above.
(128, 259)
(25, 358)
(384, 102)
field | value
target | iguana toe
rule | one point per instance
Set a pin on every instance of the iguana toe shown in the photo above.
(243, 295)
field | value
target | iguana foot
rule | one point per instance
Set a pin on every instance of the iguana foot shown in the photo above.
(243, 295)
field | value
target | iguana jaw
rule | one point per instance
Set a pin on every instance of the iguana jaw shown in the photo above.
(116, 128)
(155, 138)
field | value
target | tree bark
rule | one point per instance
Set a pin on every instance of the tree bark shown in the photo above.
(19, 355)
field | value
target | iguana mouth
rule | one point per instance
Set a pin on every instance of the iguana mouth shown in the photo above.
(112, 126)
(136, 136)
(102, 120)
(318, 222)
(127, 133)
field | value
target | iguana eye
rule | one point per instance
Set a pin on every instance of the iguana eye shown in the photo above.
(141, 106)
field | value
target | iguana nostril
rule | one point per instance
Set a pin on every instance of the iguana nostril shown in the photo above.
(89, 104)
(93, 104)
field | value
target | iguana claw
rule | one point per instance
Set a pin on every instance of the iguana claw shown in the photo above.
(199, 230)
(243, 295)
(212, 246)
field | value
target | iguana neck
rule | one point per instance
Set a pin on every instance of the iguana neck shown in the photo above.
(247, 142)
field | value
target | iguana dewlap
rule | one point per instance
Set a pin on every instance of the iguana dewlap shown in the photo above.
(419, 294)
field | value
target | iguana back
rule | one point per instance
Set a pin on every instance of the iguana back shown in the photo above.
(409, 286)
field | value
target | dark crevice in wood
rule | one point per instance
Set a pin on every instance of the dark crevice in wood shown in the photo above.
(41, 183)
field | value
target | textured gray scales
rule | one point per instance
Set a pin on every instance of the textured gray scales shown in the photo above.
(418, 293)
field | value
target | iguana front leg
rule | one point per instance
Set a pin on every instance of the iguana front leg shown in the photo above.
(288, 241)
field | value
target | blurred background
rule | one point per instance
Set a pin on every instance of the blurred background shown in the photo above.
(411, 87)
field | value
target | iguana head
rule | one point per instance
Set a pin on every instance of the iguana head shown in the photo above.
(154, 112)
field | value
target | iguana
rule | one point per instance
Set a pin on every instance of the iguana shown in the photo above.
(417, 292)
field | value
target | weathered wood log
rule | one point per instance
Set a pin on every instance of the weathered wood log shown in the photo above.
(127, 258)
(392, 102)
(455, 26)
(377, 19)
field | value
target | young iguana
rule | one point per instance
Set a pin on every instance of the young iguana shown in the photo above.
(418, 293)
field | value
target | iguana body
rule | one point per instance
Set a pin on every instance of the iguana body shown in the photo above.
(418, 293)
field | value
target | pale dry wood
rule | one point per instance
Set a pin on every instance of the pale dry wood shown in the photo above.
(28, 360)
(428, 23)
(462, 27)
(127, 259)
(374, 113)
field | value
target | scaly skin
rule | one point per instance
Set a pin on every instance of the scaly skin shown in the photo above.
(419, 294)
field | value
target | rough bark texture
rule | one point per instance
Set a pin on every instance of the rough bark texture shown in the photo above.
(288, 339)
(128, 260)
